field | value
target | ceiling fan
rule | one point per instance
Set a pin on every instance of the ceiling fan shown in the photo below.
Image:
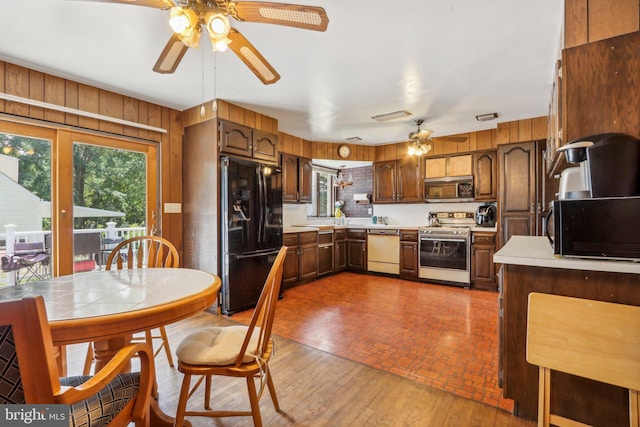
(189, 17)
(421, 138)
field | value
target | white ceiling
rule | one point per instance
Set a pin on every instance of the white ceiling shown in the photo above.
(445, 61)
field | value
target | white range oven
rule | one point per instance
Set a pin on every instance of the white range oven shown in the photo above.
(445, 251)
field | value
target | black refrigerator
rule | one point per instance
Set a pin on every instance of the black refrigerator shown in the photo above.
(251, 235)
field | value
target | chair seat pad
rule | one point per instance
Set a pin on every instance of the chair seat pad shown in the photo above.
(217, 346)
(102, 407)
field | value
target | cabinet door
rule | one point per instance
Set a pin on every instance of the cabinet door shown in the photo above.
(485, 175)
(384, 182)
(409, 175)
(460, 165)
(305, 170)
(409, 259)
(483, 271)
(290, 267)
(308, 262)
(265, 146)
(340, 255)
(436, 167)
(517, 190)
(289, 164)
(356, 255)
(235, 138)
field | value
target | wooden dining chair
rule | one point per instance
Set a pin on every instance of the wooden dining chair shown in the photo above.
(233, 351)
(591, 339)
(29, 374)
(141, 252)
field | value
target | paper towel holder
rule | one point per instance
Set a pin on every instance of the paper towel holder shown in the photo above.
(362, 199)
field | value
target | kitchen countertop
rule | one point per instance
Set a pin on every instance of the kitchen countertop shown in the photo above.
(536, 251)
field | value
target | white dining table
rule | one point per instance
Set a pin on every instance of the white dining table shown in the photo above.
(108, 307)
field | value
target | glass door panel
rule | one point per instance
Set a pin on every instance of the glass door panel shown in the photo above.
(113, 197)
(25, 203)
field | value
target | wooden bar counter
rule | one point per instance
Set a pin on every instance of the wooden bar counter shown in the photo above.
(528, 265)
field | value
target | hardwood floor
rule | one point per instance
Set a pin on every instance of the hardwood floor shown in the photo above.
(318, 388)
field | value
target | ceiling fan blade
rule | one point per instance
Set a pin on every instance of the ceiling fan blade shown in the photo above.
(291, 15)
(158, 4)
(171, 56)
(252, 58)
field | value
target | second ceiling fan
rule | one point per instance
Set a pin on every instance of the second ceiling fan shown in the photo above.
(189, 17)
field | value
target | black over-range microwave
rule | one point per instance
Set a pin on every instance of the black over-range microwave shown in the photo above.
(597, 228)
(449, 189)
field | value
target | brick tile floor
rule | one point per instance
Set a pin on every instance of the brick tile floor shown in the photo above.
(442, 336)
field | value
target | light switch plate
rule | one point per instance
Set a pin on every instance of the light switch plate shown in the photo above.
(370, 211)
(173, 208)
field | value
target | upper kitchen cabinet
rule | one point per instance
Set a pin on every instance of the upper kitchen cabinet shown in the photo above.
(440, 167)
(398, 181)
(485, 175)
(247, 142)
(296, 178)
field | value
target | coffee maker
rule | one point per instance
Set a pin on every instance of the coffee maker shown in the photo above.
(486, 216)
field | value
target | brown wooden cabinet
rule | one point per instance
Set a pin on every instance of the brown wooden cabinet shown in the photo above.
(525, 189)
(585, 400)
(301, 262)
(357, 249)
(485, 175)
(296, 178)
(340, 249)
(409, 253)
(398, 181)
(244, 141)
(483, 271)
(461, 165)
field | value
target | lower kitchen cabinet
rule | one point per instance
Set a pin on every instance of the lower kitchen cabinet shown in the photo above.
(357, 249)
(409, 253)
(483, 272)
(301, 262)
(340, 249)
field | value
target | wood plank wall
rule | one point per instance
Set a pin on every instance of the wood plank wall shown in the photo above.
(31, 84)
(587, 21)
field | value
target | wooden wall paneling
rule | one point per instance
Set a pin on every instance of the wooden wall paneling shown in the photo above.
(608, 18)
(361, 152)
(575, 22)
(71, 93)
(514, 131)
(483, 140)
(112, 105)
(130, 113)
(285, 144)
(321, 150)
(390, 152)
(36, 92)
(253, 120)
(223, 110)
(502, 133)
(539, 128)
(88, 100)
(171, 167)
(236, 114)
(143, 117)
(17, 83)
(370, 153)
(54, 93)
(307, 149)
(524, 130)
(379, 153)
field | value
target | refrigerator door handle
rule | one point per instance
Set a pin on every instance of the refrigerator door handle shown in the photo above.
(260, 178)
(256, 254)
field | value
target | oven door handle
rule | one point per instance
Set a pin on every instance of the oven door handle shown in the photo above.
(436, 239)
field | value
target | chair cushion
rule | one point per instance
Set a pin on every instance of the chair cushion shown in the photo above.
(217, 346)
(99, 409)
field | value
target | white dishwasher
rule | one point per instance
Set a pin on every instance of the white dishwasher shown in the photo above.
(383, 251)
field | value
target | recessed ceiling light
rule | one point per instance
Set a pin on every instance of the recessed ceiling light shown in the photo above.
(486, 117)
(391, 116)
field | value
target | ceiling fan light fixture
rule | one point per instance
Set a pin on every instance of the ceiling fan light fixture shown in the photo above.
(418, 149)
(182, 21)
(217, 25)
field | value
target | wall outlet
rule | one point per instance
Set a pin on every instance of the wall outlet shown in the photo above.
(370, 211)
(173, 208)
